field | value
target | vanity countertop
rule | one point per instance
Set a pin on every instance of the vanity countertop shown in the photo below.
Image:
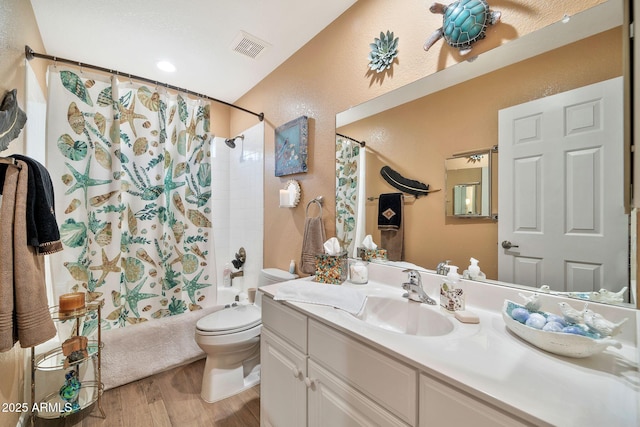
(490, 363)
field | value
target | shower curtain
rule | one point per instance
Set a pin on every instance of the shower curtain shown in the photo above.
(350, 194)
(132, 178)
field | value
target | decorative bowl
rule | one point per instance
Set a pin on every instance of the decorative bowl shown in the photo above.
(561, 343)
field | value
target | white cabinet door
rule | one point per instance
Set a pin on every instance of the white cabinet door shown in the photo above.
(334, 403)
(441, 405)
(283, 394)
(385, 380)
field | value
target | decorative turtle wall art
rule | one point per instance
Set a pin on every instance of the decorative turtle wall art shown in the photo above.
(464, 22)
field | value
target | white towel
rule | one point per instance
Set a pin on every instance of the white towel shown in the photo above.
(347, 299)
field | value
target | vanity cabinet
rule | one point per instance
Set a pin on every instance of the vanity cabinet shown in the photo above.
(316, 375)
(305, 376)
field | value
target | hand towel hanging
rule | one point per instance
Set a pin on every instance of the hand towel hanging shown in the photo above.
(390, 211)
(391, 224)
(312, 240)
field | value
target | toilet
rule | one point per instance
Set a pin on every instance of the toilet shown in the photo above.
(230, 339)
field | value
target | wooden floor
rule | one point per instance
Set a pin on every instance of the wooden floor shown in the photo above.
(169, 398)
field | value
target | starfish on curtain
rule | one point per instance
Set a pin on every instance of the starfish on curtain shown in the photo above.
(108, 266)
(170, 184)
(134, 296)
(83, 181)
(191, 286)
(191, 132)
(128, 115)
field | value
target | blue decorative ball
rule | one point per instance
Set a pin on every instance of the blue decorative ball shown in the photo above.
(577, 330)
(555, 318)
(520, 314)
(536, 320)
(553, 327)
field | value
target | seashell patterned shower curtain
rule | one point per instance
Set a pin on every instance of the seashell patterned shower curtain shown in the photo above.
(350, 194)
(132, 177)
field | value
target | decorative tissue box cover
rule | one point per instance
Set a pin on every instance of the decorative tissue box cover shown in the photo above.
(331, 268)
(451, 299)
(371, 254)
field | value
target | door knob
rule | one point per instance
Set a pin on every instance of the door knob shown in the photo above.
(508, 245)
(296, 372)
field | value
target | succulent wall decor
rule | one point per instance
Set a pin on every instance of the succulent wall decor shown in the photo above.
(383, 51)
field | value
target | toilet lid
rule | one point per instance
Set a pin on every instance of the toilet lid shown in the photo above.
(278, 275)
(232, 319)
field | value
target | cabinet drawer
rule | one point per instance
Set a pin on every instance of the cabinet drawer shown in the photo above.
(286, 322)
(334, 403)
(442, 405)
(385, 380)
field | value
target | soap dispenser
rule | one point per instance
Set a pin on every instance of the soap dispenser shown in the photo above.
(473, 271)
(451, 297)
(226, 275)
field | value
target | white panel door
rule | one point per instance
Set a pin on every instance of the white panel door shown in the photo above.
(561, 191)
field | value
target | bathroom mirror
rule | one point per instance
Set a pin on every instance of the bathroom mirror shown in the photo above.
(413, 130)
(468, 184)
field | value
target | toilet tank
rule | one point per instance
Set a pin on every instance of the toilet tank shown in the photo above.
(270, 276)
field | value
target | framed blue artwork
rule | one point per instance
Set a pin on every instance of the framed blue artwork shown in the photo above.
(291, 146)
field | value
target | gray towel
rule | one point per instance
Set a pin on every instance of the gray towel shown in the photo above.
(312, 244)
(24, 311)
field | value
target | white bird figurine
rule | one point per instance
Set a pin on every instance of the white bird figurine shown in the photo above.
(606, 295)
(599, 324)
(572, 315)
(532, 303)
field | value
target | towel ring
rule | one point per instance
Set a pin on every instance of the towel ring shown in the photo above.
(318, 201)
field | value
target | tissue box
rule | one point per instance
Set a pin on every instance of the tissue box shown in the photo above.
(371, 254)
(331, 269)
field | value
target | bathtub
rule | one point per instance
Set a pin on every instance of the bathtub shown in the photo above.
(158, 345)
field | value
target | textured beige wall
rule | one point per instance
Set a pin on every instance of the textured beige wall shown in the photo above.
(17, 28)
(330, 74)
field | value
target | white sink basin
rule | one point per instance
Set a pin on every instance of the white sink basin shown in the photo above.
(405, 317)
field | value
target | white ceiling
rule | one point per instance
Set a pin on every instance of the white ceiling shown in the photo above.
(131, 36)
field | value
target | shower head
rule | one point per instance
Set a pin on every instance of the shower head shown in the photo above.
(231, 142)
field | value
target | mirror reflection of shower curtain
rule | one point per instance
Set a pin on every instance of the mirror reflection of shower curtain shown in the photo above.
(350, 194)
(360, 203)
(132, 176)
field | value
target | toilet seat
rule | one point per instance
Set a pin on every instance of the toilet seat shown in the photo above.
(230, 320)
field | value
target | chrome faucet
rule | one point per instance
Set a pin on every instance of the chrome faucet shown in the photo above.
(443, 268)
(414, 289)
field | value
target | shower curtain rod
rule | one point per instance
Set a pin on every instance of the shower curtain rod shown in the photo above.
(30, 54)
(362, 143)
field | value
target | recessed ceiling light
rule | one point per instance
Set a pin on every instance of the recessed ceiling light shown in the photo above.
(166, 66)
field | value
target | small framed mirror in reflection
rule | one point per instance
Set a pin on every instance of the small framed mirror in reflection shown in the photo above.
(469, 184)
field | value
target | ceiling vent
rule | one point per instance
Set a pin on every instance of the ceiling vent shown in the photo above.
(248, 45)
